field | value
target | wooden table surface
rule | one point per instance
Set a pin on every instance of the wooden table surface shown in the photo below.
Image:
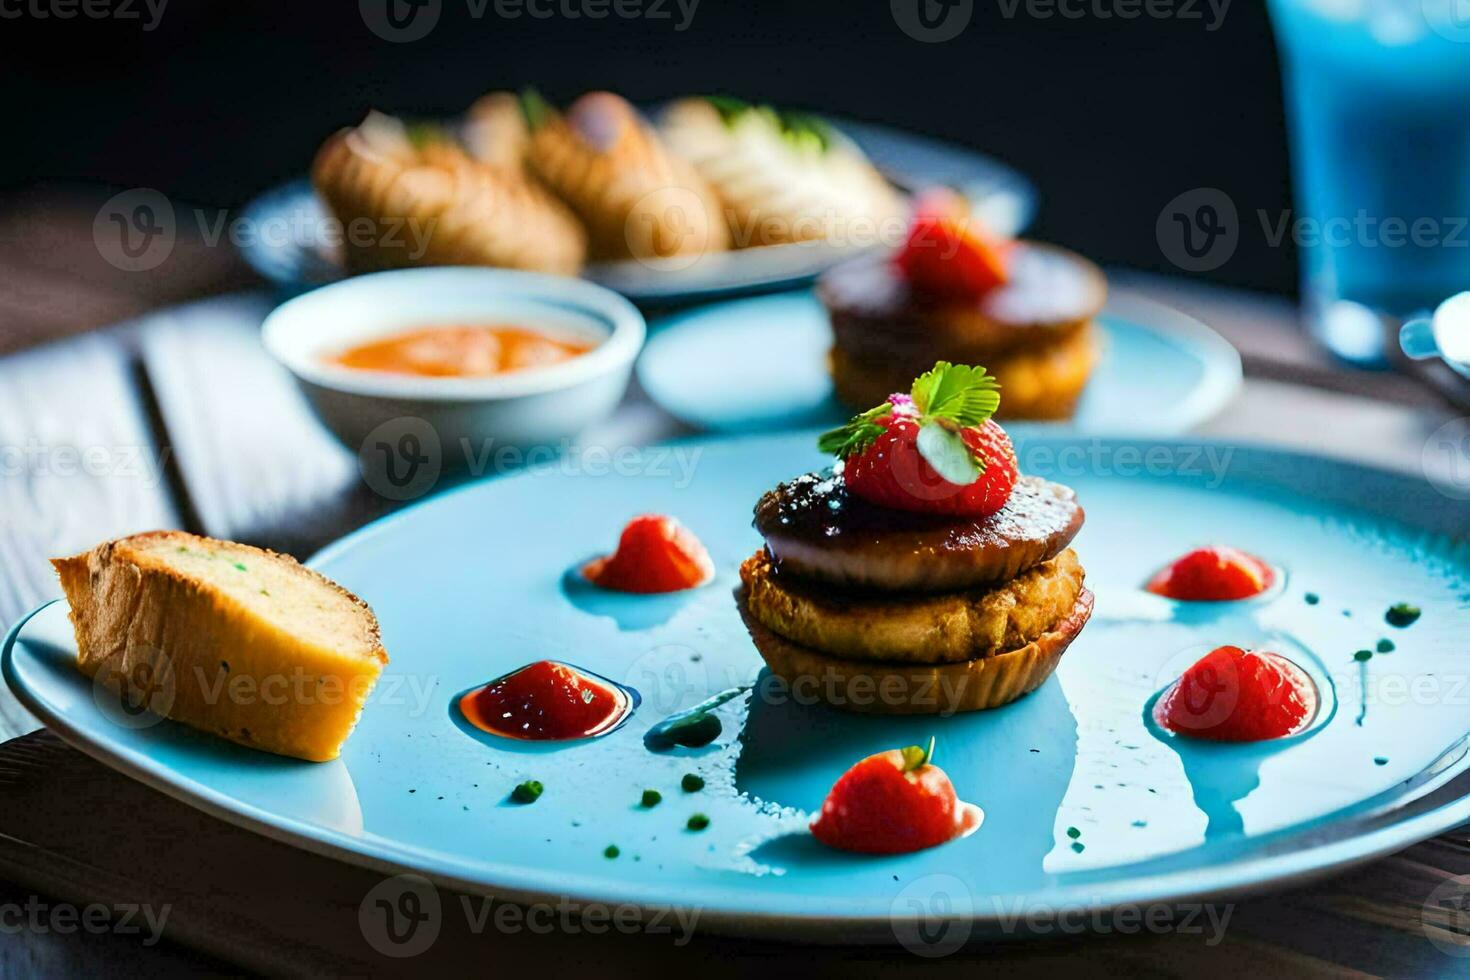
(175, 418)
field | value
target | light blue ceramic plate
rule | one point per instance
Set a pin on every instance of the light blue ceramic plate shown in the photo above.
(1086, 805)
(761, 364)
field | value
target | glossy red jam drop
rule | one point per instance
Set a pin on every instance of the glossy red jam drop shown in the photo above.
(547, 701)
(1214, 574)
(1235, 695)
(655, 554)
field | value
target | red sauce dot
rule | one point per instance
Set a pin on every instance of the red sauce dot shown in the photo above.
(1235, 695)
(546, 701)
(1214, 574)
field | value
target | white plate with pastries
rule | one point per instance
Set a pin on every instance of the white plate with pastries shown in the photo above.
(698, 198)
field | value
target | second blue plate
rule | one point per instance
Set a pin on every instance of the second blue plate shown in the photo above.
(761, 364)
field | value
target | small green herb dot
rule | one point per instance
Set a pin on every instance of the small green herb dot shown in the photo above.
(1380, 761)
(698, 822)
(611, 851)
(527, 792)
(1312, 598)
(916, 756)
(651, 798)
(691, 783)
(1078, 846)
(1363, 655)
(1386, 646)
(241, 567)
(1401, 614)
(1073, 833)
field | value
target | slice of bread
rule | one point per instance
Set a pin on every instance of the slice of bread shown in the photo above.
(240, 642)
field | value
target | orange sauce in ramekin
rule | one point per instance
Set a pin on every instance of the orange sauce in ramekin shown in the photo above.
(459, 351)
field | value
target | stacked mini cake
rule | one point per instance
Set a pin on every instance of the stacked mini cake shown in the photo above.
(923, 575)
(1024, 310)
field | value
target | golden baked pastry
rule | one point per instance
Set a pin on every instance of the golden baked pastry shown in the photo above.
(415, 199)
(495, 131)
(236, 641)
(873, 687)
(1042, 382)
(636, 198)
(906, 628)
(782, 177)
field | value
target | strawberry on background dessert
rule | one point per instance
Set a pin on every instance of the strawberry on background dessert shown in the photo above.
(923, 574)
(894, 802)
(954, 292)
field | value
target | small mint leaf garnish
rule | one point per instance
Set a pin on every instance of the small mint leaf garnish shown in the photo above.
(944, 449)
(805, 130)
(729, 107)
(943, 400)
(916, 757)
(422, 133)
(857, 434)
(535, 108)
(959, 393)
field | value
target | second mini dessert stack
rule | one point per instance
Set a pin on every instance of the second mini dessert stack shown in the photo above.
(923, 575)
(952, 292)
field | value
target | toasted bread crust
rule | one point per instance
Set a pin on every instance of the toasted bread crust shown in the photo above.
(194, 653)
(945, 628)
(916, 689)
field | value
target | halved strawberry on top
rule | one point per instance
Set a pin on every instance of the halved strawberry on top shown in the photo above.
(935, 450)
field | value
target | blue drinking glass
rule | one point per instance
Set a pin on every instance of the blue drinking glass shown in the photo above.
(1378, 100)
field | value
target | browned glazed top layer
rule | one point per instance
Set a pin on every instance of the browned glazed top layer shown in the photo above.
(816, 529)
(1051, 294)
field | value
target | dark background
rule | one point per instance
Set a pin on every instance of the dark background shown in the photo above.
(1111, 118)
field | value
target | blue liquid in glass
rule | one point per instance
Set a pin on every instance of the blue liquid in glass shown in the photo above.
(1378, 96)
